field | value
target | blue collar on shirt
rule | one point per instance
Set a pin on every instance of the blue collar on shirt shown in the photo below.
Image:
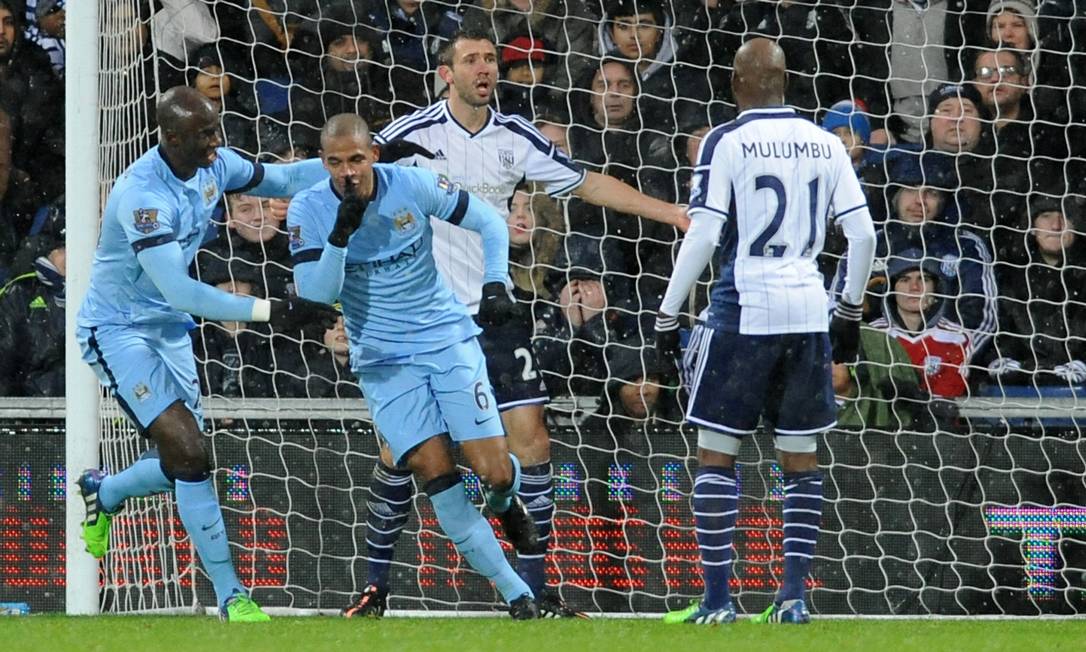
(489, 118)
(167, 171)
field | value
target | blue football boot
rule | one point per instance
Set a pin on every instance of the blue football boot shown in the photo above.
(789, 612)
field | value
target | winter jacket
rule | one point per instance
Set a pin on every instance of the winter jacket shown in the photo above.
(815, 38)
(33, 98)
(873, 22)
(31, 337)
(1042, 315)
(883, 375)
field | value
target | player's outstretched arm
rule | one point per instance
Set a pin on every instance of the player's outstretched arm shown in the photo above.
(165, 265)
(603, 190)
(287, 179)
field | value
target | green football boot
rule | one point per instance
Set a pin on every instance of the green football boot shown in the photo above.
(97, 521)
(696, 614)
(240, 608)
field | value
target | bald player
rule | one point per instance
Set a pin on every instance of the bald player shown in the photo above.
(769, 180)
(133, 327)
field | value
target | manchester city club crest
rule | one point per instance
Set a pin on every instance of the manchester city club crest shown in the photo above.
(505, 157)
(145, 219)
(404, 221)
(142, 392)
(211, 190)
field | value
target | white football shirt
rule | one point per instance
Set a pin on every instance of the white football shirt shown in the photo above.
(489, 164)
(775, 179)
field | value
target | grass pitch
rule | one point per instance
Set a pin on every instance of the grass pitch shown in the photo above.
(203, 634)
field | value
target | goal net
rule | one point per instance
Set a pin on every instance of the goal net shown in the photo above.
(973, 503)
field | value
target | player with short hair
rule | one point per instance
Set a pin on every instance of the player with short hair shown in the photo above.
(769, 179)
(364, 238)
(133, 326)
(488, 154)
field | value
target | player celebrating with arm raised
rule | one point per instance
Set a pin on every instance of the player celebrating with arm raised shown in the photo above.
(768, 179)
(134, 322)
(365, 238)
(488, 154)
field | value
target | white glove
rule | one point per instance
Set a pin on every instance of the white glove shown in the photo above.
(1001, 366)
(1073, 372)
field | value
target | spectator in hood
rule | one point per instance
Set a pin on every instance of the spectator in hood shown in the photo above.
(234, 358)
(317, 367)
(914, 313)
(32, 321)
(1042, 308)
(918, 219)
(220, 77)
(607, 137)
(572, 332)
(635, 384)
(640, 31)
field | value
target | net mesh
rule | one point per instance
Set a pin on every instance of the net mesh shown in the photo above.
(968, 502)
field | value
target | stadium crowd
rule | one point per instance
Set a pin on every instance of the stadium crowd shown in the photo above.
(965, 121)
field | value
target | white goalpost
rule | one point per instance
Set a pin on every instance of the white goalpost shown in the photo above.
(83, 188)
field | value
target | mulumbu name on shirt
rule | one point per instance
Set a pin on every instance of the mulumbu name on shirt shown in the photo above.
(786, 150)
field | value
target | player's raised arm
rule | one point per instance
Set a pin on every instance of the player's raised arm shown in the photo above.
(319, 270)
(607, 191)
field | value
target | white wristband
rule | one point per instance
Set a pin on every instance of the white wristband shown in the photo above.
(261, 310)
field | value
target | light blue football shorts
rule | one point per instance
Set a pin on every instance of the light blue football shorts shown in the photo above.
(432, 393)
(149, 368)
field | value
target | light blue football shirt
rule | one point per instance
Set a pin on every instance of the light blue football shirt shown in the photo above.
(147, 207)
(395, 304)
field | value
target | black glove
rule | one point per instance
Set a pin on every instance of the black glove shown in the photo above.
(668, 350)
(348, 218)
(495, 307)
(845, 332)
(395, 150)
(295, 313)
